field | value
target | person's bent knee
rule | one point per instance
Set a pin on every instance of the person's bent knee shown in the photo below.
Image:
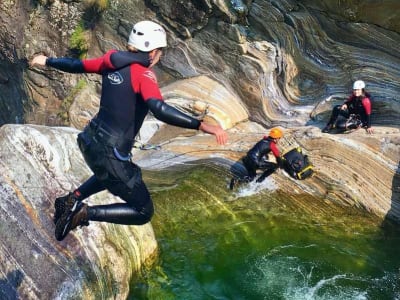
(337, 108)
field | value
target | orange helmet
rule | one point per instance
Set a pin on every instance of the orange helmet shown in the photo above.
(276, 133)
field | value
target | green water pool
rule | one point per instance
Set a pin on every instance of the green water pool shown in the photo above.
(214, 244)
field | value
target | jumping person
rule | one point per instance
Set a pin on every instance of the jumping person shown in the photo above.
(358, 104)
(255, 158)
(129, 91)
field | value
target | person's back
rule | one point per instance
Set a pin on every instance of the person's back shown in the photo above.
(260, 149)
(256, 158)
(122, 105)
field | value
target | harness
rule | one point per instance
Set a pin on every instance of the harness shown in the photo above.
(101, 133)
(98, 144)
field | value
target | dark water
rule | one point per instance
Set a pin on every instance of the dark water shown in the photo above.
(215, 245)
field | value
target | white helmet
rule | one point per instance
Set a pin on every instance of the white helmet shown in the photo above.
(147, 35)
(358, 85)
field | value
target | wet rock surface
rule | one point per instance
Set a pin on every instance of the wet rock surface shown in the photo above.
(37, 165)
(247, 65)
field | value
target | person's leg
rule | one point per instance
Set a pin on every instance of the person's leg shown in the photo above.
(122, 179)
(269, 168)
(335, 113)
(251, 168)
(64, 203)
(89, 187)
(131, 213)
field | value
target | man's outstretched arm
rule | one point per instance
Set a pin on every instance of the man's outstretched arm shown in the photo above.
(172, 116)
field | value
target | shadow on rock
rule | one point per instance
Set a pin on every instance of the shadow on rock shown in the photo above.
(390, 220)
(9, 285)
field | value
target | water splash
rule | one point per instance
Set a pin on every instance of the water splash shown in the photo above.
(254, 187)
(289, 278)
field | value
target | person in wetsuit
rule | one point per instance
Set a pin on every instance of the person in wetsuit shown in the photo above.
(129, 91)
(358, 104)
(256, 158)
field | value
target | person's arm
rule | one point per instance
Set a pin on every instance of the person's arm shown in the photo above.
(275, 151)
(146, 84)
(112, 60)
(172, 116)
(67, 64)
(345, 104)
(280, 161)
(366, 102)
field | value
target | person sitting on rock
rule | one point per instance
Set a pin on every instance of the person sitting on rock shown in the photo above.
(358, 105)
(129, 91)
(256, 158)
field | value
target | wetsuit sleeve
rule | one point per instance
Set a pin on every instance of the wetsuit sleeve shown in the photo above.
(349, 99)
(152, 96)
(171, 115)
(100, 64)
(75, 65)
(66, 64)
(366, 102)
(274, 150)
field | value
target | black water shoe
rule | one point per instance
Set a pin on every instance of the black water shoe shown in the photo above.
(72, 218)
(327, 128)
(63, 204)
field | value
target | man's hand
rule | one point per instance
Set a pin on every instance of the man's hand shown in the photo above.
(220, 134)
(39, 60)
(370, 130)
(343, 107)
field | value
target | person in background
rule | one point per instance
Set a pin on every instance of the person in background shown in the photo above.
(129, 91)
(256, 158)
(358, 104)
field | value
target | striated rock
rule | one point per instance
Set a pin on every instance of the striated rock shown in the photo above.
(384, 14)
(205, 97)
(84, 106)
(269, 61)
(37, 164)
(280, 57)
(354, 169)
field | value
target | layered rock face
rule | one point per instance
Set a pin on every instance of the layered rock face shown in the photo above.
(353, 169)
(228, 61)
(38, 164)
(280, 57)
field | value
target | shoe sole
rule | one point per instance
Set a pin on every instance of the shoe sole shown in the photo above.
(63, 226)
(60, 206)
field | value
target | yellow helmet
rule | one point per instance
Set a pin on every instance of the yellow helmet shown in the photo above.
(276, 133)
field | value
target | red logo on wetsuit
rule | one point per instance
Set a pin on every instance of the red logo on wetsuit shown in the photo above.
(149, 74)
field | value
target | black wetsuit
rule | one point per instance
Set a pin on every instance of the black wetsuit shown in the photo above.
(359, 106)
(255, 159)
(129, 91)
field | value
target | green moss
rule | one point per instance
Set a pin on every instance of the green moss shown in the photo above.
(78, 41)
(99, 5)
(67, 102)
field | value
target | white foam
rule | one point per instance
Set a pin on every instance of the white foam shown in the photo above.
(253, 188)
